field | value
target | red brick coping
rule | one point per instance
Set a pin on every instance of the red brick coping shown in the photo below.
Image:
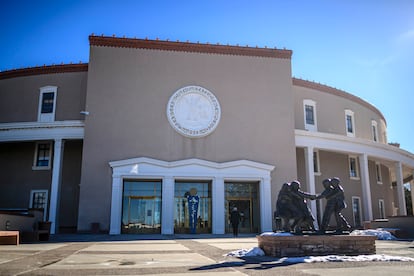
(188, 47)
(318, 245)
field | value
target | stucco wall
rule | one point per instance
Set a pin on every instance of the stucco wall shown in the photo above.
(70, 180)
(336, 164)
(17, 160)
(128, 90)
(330, 113)
(19, 97)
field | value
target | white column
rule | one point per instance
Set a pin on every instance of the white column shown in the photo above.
(218, 219)
(366, 188)
(412, 192)
(266, 205)
(402, 210)
(116, 206)
(310, 180)
(55, 186)
(167, 216)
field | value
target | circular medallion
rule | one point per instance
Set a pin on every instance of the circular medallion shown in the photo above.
(193, 111)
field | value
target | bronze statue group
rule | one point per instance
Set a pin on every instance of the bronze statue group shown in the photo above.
(293, 214)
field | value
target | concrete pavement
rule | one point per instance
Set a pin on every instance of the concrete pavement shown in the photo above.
(176, 255)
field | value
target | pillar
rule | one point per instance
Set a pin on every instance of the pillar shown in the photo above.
(412, 193)
(116, 206)
(167, 208)
(366, 187)
(55, 185)
(310, 181)
(218, 219)
(266, 216)
(402, 210)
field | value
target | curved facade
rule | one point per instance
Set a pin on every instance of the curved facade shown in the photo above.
(147, 128)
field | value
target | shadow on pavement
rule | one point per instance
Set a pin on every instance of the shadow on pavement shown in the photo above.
(260, 262)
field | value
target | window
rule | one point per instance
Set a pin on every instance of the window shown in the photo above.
(47, 104)
(353, 167)
(350, 123)
(381, 206)
(309, 108)
(141, 206)
(378, 173)
(43, 155)
(356, 211)
(374, 131)
(316, 167)
(38, 200)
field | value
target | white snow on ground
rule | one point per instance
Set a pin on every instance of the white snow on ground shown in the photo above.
(380, 234)
(256, 251)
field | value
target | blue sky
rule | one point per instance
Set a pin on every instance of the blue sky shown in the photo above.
(365, 47)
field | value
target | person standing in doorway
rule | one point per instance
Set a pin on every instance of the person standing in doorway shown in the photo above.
(235, 219)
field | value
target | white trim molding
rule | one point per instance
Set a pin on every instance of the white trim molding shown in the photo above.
(218, 173)
(29, 131)
(353, 146)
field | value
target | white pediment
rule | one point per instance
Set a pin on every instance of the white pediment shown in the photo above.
(144, 166)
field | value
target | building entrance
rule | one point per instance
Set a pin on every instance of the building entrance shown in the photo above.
(192, 201)
(245, 197)
(141, 210)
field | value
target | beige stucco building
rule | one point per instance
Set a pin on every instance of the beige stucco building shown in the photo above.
(125, 139)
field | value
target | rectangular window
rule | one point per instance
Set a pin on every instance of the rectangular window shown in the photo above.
(309, 110)
(350, 123)
(43, 155)
(193, 207)
(141, 207)
(381, 206)
(309, 115)
(374, 131)
(316, 168)
(356, 211)
(378, 173)
(38, 200)
(47, 104)
(353, 167)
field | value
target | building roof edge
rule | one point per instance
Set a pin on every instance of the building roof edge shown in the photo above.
(166, 45)
(45, 69)
(337, 92)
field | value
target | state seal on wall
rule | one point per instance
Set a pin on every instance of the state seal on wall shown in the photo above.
(193, 111)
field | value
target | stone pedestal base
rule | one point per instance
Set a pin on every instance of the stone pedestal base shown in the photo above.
(318, 245)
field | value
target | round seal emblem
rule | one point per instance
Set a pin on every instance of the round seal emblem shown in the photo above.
(193, 111)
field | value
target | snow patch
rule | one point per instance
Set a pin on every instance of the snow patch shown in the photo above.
(252, 252)
(380, 234)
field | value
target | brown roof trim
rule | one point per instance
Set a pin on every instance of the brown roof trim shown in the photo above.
(336, 92)
(188, 47)
(45, 69)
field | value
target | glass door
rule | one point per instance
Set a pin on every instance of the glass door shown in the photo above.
(141, 210)
(356, 210)
(244, 196)
(192, 212)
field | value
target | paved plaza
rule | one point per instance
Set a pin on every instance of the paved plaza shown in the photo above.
(177, 255)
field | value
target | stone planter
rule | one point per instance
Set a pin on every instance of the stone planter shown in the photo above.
(318, 245)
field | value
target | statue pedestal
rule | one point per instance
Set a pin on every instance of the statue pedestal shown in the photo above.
(316, 245)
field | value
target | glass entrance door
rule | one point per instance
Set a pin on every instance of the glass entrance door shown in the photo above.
(141, 210)
(244, 196)
(192, 212)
